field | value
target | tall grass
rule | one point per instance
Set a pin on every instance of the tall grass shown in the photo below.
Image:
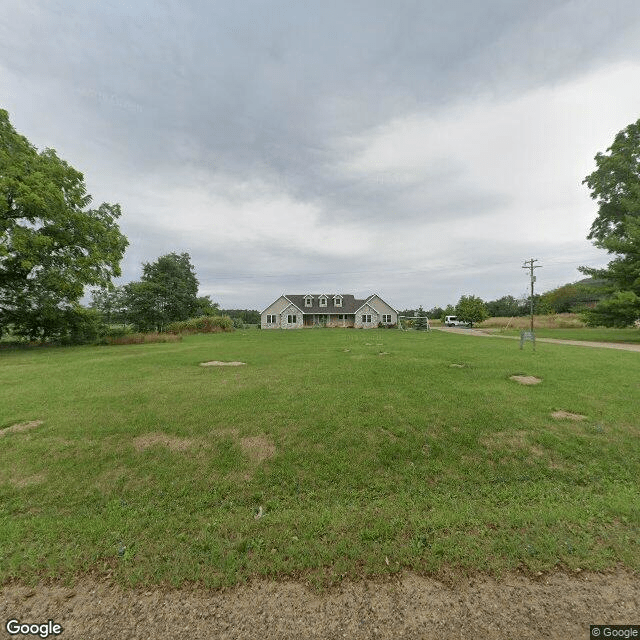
(555, 321)
(141, 338)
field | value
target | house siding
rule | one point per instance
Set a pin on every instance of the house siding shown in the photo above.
(286, 312)
(275, 308)
(384, 309)
(366, 309)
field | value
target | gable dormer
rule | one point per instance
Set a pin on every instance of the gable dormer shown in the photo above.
(337, 300)
(308, 300)
(322, 300)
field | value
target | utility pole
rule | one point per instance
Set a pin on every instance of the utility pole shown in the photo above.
(528, 264)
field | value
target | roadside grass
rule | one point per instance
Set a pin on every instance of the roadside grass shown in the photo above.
(564, 326)
(331, 453)
(595, 334)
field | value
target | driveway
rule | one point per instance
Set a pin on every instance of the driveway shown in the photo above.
(624, 346)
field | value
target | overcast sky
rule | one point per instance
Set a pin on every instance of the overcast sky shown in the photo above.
(422, 150)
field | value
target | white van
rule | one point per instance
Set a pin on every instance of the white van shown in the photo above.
(452, 321)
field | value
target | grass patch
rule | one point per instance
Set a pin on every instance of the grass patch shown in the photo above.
(317, 458)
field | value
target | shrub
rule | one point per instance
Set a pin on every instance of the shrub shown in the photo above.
(141, 338)
(81, 326)
(117, 331)
(203, 324)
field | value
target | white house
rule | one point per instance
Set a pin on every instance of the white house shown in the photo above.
(293, 311)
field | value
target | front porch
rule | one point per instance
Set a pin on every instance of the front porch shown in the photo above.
(329, 320)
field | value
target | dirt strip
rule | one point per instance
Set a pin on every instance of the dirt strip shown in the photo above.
(624, 346)
(553, 606)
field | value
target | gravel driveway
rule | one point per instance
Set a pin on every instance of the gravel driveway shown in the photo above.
(625, 346)
(551, 606)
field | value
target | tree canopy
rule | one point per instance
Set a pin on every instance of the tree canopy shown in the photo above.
(167, 292)
(615, 186)
(52, 244)
(471, 309)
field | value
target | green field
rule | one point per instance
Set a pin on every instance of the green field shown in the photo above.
(364, 453)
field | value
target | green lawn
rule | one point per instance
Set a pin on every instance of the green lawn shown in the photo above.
(150, 468)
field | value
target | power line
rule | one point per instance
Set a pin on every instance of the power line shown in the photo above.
(399, 272)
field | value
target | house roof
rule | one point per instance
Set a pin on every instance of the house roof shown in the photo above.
(349, 303)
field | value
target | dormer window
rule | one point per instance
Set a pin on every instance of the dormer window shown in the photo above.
(337, 301)
(323, 301)
(308, 301)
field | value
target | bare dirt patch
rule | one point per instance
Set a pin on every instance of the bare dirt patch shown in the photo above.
(28, 481)
(554, 606)
(512, 440)
(219, 363)
(21, 426)
(526, 379)
(258, 448)
(171, 442)
(566, 415)
(455, 365)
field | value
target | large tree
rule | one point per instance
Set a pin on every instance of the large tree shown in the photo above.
(471, 309)
(167, 292)
(52, 244)
(615, 186)
(505, 307)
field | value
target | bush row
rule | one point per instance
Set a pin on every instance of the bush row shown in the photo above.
(203, 324)
(140, 338)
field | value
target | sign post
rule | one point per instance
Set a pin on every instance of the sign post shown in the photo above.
(527, 336)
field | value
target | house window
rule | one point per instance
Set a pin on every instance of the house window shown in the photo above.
(341, 316)
(386, 318)
(323, 302)
(366, 318)
(271, 319)
(337, 302)
(292, 319)
(308, 301)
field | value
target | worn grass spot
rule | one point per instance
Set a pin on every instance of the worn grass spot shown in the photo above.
(566, 415)
(219, 363)
(171, 442)
(28, 481)
(512, 440)
(258, 448)
(526, 379)
(21, 426)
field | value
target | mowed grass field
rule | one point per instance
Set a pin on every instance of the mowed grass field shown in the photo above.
(331, 453)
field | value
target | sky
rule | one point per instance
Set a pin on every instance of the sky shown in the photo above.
(421, 150)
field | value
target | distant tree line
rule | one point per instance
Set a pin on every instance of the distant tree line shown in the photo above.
(242, 316)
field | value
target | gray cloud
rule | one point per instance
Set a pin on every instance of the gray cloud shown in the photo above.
(267, 93)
